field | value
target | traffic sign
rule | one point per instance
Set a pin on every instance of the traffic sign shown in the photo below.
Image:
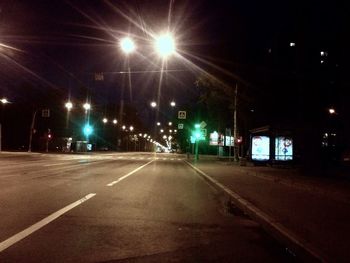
(203, 124)
(45, 113)
(181, 115)
(180, 126)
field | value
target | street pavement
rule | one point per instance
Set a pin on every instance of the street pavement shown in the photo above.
(113, 207)
(312, 210)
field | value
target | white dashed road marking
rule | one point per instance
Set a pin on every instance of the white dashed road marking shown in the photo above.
(30, 230)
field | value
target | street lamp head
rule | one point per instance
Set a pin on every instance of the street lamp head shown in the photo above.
(87, 106)
(123, 127)
(331, 111)
(4, 101)
(153, 104)
(115, 121)
(105, 120)
(131, 128)
(158, 123)
(69, 105)
(172, 104)
(127, 45)
(170, 123)
(165, 45)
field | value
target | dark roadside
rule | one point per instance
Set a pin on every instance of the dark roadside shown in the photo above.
(314, 209)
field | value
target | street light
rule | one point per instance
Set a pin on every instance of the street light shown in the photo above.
(69, 105)
(153, 104)
(331, 111)
(127, 45)
(131, 128)
(165, 45)
(105, 120)
(87, 106)
(172, 104)
(170, 123)
(115, 121)
(158, 123)
(4, 101)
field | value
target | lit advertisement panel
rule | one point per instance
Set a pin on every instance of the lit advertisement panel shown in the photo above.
(229, 141)
(261, 148)
(283, 148)
(214, 138)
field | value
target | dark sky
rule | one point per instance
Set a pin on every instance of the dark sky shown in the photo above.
(58, 45)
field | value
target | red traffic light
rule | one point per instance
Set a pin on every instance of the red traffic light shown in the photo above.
(239, 140)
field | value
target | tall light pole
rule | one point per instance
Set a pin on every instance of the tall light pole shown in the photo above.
(235, 130)
(68, 106)
(3, 101)
(127, 45)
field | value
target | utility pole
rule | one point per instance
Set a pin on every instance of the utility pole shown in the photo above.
(235, 131)
(31, 131)
(0, 139)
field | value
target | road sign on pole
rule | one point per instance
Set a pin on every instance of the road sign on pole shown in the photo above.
(45, 113)
(181, 115)
(203, 124)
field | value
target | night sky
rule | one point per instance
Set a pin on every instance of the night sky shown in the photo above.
(55, 47)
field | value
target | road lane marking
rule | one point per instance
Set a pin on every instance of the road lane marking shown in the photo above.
(30, 230)
(128, 174)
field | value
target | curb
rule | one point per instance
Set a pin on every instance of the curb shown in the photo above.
(303, 249)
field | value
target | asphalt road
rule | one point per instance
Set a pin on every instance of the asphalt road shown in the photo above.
(120, 208)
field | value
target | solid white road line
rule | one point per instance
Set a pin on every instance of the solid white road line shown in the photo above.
(23, 234)
(127, 175)
(268, 222)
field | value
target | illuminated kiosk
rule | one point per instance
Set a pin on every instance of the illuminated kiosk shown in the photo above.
(271, 145)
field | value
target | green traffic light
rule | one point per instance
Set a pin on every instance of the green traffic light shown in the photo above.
(88, 129)
(197, 126)
(197, 135)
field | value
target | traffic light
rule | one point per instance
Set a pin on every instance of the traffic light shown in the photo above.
(88, 130)
(49, 135)
(198, 133)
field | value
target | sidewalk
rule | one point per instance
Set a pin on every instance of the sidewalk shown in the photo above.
(315, 210)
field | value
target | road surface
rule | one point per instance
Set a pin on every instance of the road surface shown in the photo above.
(120, 208)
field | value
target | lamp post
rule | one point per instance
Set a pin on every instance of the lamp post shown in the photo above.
(3, 101)
(68, 106)
(127, 46)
